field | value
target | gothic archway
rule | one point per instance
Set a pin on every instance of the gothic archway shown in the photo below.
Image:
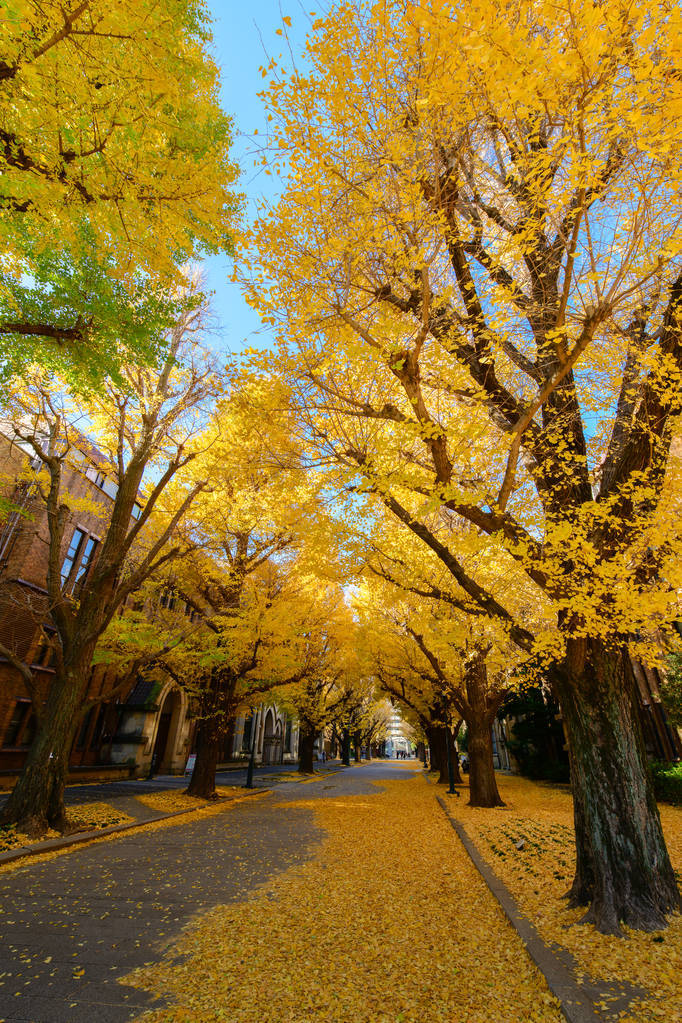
(272, 739)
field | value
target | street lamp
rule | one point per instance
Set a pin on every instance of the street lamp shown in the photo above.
(252, 754)
(451, 766)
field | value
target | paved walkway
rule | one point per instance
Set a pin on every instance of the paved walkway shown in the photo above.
(71, 926)
(121, 794)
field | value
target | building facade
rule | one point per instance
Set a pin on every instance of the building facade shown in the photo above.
(25, 625)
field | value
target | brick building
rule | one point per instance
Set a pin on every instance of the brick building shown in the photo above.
(25, 626)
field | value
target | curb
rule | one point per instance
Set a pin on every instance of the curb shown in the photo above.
(576, 1006)
(56, 844)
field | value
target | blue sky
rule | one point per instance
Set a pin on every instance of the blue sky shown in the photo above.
(244, 32)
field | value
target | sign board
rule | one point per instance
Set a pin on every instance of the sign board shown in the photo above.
(191, 761)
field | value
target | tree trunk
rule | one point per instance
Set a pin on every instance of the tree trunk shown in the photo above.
(36, 802)
(434, 749)
(345, 748)
(356, 747)
(440, 739)
(306, 742)
(455, 754)
(209, 737)
(623, 870)
(482, 781)
(479, 718)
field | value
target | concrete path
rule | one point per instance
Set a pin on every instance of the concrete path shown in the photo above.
(121, 794)
(71, 926)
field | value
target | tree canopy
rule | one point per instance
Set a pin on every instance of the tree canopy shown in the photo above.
(115, 172)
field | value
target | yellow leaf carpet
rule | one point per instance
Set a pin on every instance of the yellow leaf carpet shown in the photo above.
(539, 818)
(82, 817)
(389, 923)
(175, 800)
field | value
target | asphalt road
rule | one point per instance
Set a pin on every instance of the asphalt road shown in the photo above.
(70, 927)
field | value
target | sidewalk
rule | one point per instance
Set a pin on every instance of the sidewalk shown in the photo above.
(388, 923)
(121, 796)
(72, 927)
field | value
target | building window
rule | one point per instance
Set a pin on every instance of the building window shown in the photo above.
(79, 558)
(46, 655)
(86, 560)
(83, 734)
(22, 727)
(98, 730)
(246, 738)
(73, 553)
(168, 599)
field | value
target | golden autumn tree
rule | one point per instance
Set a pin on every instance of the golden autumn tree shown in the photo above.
(114, 172)
(141, 443)
(246, 581)
(326, 642)
(448, 666)
(477, 259)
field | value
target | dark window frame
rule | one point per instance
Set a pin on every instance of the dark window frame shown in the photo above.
(89, 552)
(25, 726)
(81, 561)
(73, 559)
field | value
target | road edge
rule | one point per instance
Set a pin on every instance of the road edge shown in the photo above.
(576, 1006)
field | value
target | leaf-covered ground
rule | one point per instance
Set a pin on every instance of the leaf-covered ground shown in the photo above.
(539, 818)
(82, 817)
(173, 801)
(390, 923)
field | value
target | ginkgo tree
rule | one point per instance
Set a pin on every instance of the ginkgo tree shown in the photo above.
(477, 258)
(147, 436)
(115, 171)
(246, 581)
(402, 674)
(449, 668)
(320, 696)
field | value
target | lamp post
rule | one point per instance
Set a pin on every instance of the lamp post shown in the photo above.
(252, 754)
(451, 767)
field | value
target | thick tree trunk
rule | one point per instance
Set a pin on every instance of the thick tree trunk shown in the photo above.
(357, 747)
(306, 743)
(209, 737)
(623, 869)
(440, 740)
(36, 802)
(482, 781)
(345, 748)
(479, 718)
